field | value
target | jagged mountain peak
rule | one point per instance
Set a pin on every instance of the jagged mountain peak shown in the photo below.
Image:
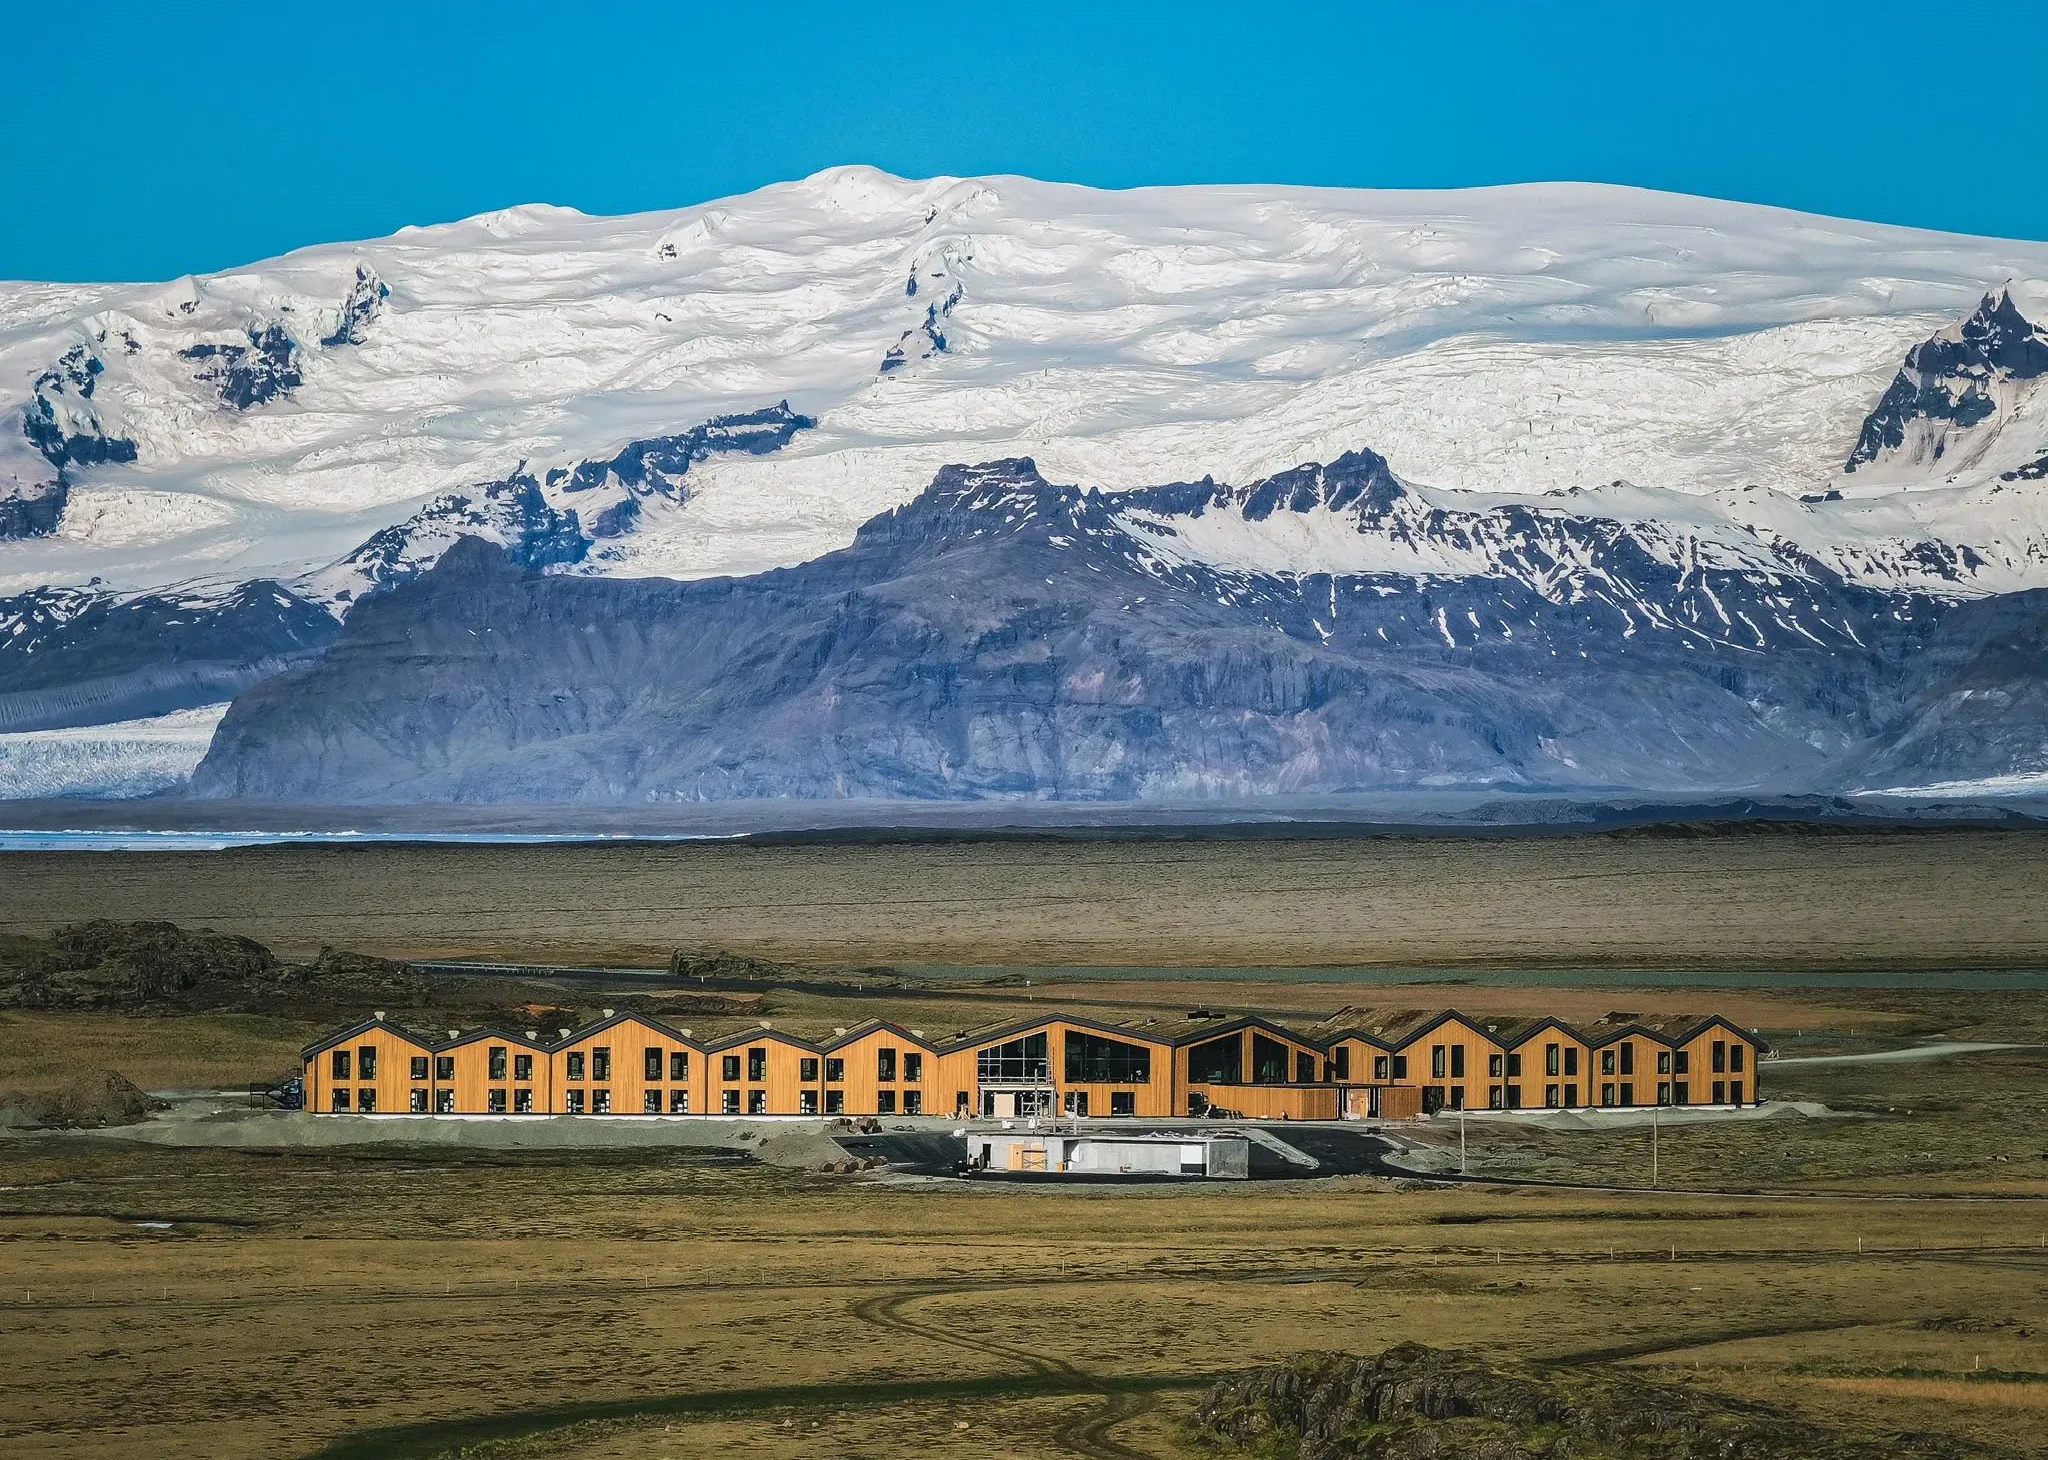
(1957, 390)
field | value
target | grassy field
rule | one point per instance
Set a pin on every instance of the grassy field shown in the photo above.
(1884, 1270)
(432, 1303)
(1767, 900)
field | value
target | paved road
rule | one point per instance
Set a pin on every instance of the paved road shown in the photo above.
(1334, 1150)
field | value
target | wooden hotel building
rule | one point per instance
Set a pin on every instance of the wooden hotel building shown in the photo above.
(1399, 1066)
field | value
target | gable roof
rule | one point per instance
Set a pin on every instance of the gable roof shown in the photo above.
(361, 1027)
(868, 1027)
(1000, 1033)
(625, 1016)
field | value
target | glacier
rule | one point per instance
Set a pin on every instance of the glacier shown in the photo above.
(1606, 419)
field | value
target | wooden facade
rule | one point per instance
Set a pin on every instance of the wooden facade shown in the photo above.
(1058, 1065)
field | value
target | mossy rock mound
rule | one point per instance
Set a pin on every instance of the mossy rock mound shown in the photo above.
(102, 1099)
(1414, 1402)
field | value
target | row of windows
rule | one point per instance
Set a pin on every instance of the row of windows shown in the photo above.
(1448, 1061)
(1566, 1096)
(595, 1065)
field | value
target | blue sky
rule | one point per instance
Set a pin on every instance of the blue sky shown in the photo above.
(147, 140)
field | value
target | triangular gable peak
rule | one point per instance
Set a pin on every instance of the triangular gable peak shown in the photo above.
(1331, 1038)
(1600, 1036)
(1003, 1033)
(1718, 1021)
(628, 1016)
(424, 1043)
(867, 1028)
(1516, 1037)
(1471, 1027)
(495, 1036)
(761, 1034)
(1223, 1028)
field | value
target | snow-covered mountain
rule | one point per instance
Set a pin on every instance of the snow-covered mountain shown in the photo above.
(1735, 426)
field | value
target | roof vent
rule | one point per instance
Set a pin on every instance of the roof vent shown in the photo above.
(684, 1032)
(839, 1032)
(917, 1034)
(378, 1015)
(533, 1034)
(609, 1012)
(455, 1034)
(765, 1024)
(561, 1033)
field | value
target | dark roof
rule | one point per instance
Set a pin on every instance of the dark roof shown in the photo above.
(1010, 1029)
(362, 1026)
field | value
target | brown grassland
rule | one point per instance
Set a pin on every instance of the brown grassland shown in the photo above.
(1884, 1270)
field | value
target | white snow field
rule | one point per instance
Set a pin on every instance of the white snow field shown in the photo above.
(1650, 355)
(127, 758)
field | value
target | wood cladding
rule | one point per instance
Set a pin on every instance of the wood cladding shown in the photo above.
(628, 1064)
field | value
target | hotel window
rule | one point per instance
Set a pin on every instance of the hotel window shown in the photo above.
(835, 1102)
(1269, 1060)
(444, 1066)
(1493, 1066)
(757, 1102)
(1663, 1061)
(419, 1102)
(494, 1102)
(1720, 1056)
(729, 1102)
(1607, 1093)
(1551, 1057)
(1735, 1092)
(679, 1064)
(1514, 1064)
(1457, 1097)
(1606, 1061)
(807, 1102)
(962, 1102)
(366, 1062)
(679, 1102)
(1571, 1094)
(522, 1067)
(498, 1053)
(366, 1101)
(835, 1070)
(572, 1101)
(522, 1102)
(1123, 1102)
(1681, 1093)
(419, 1067)
(1436, 1062)
(600, 1102)
(1304, 1068)
(807, 1071)
(1077, 1104)
(444, 1102)
(577, 1065)
(757, 1064)
(913, 1102)
(1735, 1058)
(652, 1063)
(1400, 1066)
(1380, 1066)
(340, 1100)
(1550, 1096)
(1628, 1093)
(913, 1068)
(729, 1067)
(885, 1065)
(1514, 1097)
(1628, 1059)
(1681, 1061)
(1663, 1092)
(1091, 1059)
(601, 1063)
(650, 1101)
(1340, 1061)
(339, 1064)
(1720, 1092)
(1457, 1062)
(885, 1102)
(1493, 1097)
(1571, 1060)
